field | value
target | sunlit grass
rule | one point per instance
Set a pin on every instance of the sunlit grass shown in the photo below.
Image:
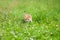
(45, 24)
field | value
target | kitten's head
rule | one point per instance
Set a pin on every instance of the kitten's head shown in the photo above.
(27, 18)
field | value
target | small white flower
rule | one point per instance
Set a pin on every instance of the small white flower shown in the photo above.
(56, 25)
(31, 39)
(13, 33)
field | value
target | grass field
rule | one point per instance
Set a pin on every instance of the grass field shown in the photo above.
(45, 24)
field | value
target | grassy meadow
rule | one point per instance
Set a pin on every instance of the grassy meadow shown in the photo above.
(45, 23)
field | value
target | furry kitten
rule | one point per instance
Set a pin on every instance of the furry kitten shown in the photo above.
(27, 18)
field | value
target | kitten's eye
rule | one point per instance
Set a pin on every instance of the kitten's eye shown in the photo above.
(27, 19)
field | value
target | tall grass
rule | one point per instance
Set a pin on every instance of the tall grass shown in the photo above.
(45, 24)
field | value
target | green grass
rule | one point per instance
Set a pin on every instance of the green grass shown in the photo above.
(45, 24)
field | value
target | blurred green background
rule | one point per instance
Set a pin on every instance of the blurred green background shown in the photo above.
(45, 24)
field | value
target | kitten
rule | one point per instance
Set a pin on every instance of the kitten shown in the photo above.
(27, 18)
